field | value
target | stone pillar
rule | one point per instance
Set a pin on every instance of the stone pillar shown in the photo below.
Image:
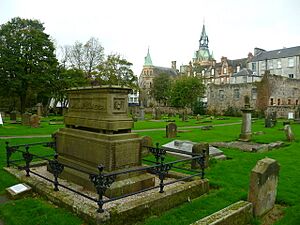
(171, 130)
(199, 149)
(263, 186)
(246, 122)
(142, 113)
(39, 110)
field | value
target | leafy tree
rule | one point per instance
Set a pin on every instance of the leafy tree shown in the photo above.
(116, 70)
(86, 57)
(186, 90)
(27, 60)
(161, 88)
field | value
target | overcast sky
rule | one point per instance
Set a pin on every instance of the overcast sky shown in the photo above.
(171, 28)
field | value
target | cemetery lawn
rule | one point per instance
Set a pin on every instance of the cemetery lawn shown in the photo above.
(229, 180)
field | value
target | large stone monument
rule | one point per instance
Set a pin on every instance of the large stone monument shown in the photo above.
(246, 132)
(98, 131)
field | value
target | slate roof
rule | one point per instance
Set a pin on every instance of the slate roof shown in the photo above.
(169, 71)
(243, 72)
(236, 62)
(279, 53)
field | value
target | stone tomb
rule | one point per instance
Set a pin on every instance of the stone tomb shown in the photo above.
(188, 146)
(98, 131)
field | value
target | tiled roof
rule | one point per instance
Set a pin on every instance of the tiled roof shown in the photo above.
(169, 71)
(275, 54)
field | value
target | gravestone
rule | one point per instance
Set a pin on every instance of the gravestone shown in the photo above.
(171, 130)
(289, 133)
(198, 117)
(200, 148)
(142, 113)
(13, 116)
(157, 113)
(263, 186)
(26, 119)
(39, 109)
(270, 119)
(146, 142)
(246, 122)
(34, 121)
(98, 131)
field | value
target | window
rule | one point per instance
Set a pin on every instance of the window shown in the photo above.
(278, 101)
(270, 63)
(236, 93)
(279, 64)
(202, 72)
(254, 93)
(296, 102)
(263, 65)
(238, 68)
(224, 70)
(253, 66)
(271, 101)
(291, 75)
(244, 79)
(290, 62)
(289, 101)
(212, 72)
(221, 95)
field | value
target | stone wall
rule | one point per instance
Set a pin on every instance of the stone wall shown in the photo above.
(274, 92)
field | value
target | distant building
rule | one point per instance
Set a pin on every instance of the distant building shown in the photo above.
(283, 62)
(147, 75)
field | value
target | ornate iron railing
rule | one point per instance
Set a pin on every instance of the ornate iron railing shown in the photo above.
(102, 181)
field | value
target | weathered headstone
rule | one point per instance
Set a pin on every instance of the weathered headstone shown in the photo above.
(39, 109)
(289, 133)
(26, 119)
(34, 121)
(246, 122)
(171, 130)
(157, 113)
(146, 142)
(270, 119)
(263, 186)
(1, 121)
(200, 148)
(13, 115)
(142, 113)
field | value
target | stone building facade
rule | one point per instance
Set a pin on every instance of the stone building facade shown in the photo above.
(147, 75)
(272, 93)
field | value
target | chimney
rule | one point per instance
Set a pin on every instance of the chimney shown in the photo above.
(173, 65)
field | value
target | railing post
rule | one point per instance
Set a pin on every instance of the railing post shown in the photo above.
(163, 170)
(101, 183)
(28, 158)
(56, 169)
(8, 153)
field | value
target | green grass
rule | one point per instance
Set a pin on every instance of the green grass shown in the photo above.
(229, 179)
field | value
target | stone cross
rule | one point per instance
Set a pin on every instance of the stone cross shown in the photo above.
(289, 133)
(171, 130)
(263, 186)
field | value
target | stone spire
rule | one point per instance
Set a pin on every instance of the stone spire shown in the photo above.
(148, 61)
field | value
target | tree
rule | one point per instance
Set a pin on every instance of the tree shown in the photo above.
(160, 89)
(116, 70)
(186, 90)
(27, 59)
(86, 57)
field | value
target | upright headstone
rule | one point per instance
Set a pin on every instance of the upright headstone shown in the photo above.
(263, 186)
(289, 133)
(1, 121)
(13, 115)
(157, 113)
(34, 121)
(26, 119)
(39, 109)
(246, 122)
(142, 113)
(145, 143)
(200, 148)
(171, 130)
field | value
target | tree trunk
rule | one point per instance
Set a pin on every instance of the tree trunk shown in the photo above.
(23, 103)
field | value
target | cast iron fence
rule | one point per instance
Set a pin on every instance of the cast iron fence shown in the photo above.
(102, 181)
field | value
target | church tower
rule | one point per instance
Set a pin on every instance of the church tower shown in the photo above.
(202, 55)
